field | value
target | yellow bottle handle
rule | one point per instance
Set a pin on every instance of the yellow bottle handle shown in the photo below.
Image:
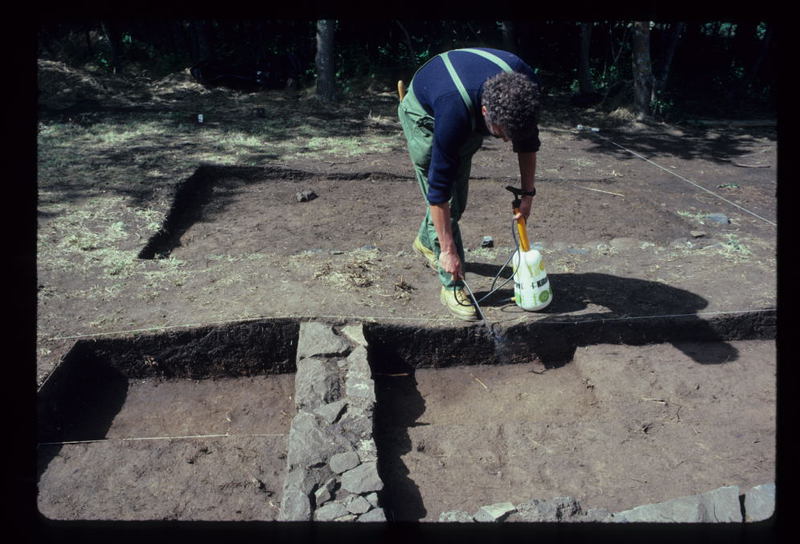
(524, 244)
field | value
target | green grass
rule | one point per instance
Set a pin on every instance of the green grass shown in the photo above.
(735, 247)
(106, 181)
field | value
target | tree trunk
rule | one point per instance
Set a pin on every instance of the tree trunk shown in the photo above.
(669, 54)
(201, 49)
(407, 38)
(114, 35)
(584, 71)
(761, 56)
(642, 69)
(326, 72)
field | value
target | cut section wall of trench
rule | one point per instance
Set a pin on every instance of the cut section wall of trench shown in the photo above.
(280, 420)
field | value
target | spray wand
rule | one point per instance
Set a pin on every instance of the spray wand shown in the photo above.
(531, 286)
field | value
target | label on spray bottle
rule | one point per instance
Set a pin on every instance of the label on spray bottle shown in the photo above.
(531, 287)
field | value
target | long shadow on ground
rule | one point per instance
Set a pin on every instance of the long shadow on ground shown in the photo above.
(637, 312)
(693, 144)
(398, 406)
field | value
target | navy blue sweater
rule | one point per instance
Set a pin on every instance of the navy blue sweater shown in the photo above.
(438, 95)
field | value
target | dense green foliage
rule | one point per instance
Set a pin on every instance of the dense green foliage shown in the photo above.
(716, 66)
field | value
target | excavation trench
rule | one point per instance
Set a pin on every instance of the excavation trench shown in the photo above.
(194, 424)
(185, 425)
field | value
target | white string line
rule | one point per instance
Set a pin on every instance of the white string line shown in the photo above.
(712, 193)
(371, 318)
(141, 438)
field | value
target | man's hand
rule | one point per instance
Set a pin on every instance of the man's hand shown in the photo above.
(450, 262)
(525, 205)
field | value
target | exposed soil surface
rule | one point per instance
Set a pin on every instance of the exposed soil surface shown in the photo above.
(618, 427)
(176, 449)
(622, 238)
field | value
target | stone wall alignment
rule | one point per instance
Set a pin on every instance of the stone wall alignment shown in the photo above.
(722, 505)
(332, 460)
(332, 455)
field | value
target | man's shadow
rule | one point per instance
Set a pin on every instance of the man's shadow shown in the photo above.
(636, 312)
(398, 406)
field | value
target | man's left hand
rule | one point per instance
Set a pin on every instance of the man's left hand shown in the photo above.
(524, 208)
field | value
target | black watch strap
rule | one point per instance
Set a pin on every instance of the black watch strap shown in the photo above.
(528, 193)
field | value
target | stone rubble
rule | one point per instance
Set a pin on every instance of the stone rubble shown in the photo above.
(332, 459)
(332, 472)
(717, 506)
(722, 505)
(759, 502)
(494, 512)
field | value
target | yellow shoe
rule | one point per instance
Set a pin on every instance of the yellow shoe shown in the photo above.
(459, 303)
(420, 249)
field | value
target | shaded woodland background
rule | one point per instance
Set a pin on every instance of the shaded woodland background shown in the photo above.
(664, 70)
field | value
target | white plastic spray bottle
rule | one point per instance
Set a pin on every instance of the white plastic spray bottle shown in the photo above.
(532, 290)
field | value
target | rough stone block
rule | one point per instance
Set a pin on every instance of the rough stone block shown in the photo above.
(718, 218)
(331, 412)
(295, 505)
(759, 502)
(682, 510)
(342, 462)
(316, 383)
(324, 493)
(367, 450)
(494, 512)
(356, 504)
(595, 514)
(305, 196)
(455, 516)
(722, 505)
(309, 444)
(362, 479)
(358, 364)
(357, 425)
(557, 509)
(376, 514)
(299, 478)
(319, 340)
(717, 506)
(360, 388)
(355, 333)
(330, 511)
(372, 498)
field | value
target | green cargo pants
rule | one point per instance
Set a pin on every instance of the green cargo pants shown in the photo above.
(418, 129)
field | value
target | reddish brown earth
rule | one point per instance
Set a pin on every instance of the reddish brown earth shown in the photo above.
(622, 238)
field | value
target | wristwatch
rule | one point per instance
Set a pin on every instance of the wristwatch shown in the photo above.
(528, 193)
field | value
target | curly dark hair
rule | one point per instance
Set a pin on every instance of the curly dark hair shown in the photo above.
(512, 101)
